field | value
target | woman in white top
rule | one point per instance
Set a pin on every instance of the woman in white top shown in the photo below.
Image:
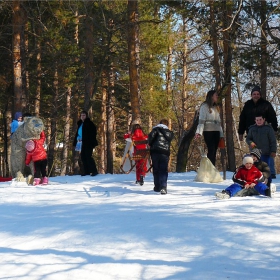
(210, 124)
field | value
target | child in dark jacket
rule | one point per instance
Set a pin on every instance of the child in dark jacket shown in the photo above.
(35, 152)
(140, 140)
(159, 140)
(247, 176)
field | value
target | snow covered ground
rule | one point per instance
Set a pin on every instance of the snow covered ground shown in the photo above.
(106, 227)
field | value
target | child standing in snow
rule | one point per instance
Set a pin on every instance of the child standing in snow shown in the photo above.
(16, 122)
(137, 135)
(247, 176)
(35, 152)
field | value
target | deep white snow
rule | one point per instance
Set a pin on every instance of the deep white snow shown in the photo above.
(107, 227)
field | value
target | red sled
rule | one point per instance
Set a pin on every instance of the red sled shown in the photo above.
(5, 179)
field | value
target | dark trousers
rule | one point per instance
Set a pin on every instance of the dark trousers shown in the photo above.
(212, 139)
(88, 161)
(40, 167)
(160, 170)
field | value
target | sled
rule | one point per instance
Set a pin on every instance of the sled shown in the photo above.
(5, 179)
(132, 154)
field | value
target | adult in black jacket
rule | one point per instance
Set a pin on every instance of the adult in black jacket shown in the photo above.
(256, 105)
(86, 135)
(159, 140)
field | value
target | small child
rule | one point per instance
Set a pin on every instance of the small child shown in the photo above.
(247, 176)
(35, 152)
(137, 135)
(16, 122)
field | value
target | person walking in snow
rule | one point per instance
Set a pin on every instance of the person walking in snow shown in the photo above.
(247, 176)
(159, 140)
(85, 138)
(16, 122)
(209, 124)
(35, 152)
(139, 138)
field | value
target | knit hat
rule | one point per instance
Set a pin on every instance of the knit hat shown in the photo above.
(18, 115)
(256, 88)
(247, 159)
(256, 152)
(30, 146)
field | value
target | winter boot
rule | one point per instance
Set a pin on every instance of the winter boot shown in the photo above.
(141, 182)
(163, 191)
(45, 181)
(268, 192)
(29, 180)
(222, 195)
(36, 181)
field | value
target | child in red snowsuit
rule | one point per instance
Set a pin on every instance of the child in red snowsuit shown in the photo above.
(137, 134)
(35, 152)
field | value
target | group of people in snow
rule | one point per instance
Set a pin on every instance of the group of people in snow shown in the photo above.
(258, 119)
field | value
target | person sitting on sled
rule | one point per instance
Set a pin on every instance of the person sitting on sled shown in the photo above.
(247, 176)
(137, 135)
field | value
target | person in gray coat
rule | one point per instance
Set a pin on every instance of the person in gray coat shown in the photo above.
(261, 135)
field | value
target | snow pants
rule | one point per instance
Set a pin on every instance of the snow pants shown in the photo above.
(141, 168)
(160, 170)
(235, 188)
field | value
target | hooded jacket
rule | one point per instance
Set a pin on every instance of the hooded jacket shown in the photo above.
(159, 139)
(39, 152)
(247, 176)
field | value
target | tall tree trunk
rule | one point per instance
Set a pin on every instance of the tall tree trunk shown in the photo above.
(88, 62)
(216, 62)
(133, 58)
(23, 51)
(184, 122)
(110, 123)
(17, 37)
(103, 124)
(66, 133)
(227, 74)
(51, 151)
(39, 75)
(264, 55)
(75, 106)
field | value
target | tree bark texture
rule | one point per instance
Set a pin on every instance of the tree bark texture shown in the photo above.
(227, 77)
(134, 58)
(182, 155)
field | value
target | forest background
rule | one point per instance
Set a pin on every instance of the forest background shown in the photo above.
(127, 61)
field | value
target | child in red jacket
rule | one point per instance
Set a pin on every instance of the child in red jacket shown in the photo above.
(137, 134)
(247, 176)
(35, 152)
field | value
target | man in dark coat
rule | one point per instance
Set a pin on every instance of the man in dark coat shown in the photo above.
(159, 140)
(255, 106)
(86, 136)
